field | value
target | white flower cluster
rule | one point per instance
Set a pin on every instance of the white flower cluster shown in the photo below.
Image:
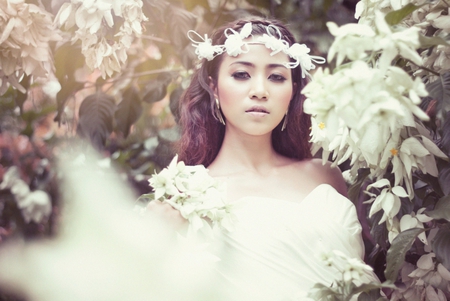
(235, 44)
(26, 31)
(430, 14)
(364, 113)
(199, 197)
(35, 205)
(351, 268)
(365, 9)
(351, 272)
(430, 280)
(103, 52)
(433, 14)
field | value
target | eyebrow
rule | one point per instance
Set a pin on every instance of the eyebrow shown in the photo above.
(270, 66)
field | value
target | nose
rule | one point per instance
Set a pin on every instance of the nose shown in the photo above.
(258, 89)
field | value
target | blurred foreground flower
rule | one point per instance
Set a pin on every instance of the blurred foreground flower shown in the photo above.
(35, 205)
(105, 251)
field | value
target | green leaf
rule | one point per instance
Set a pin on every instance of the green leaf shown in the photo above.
(174, 101)
(355, 189)
(445, 134)
(323, 292)
(96, 118)
(444, 179)
(65, 72)
(371, 291)
(441, 246)
(128, 111)
(156, 89)
(179, 21)
(427, 42)
(396, 253)
(441, 210)
(440, 91)
(396, 16)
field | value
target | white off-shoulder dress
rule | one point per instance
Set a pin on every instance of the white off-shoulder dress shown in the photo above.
(273, 253)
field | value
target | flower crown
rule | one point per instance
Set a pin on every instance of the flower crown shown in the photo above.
(235, 45)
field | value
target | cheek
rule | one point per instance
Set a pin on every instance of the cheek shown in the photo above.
(230, 90)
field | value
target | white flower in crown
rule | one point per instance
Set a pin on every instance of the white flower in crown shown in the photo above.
(205, 48)
(300, 53)
(234, 44)
(274, 44)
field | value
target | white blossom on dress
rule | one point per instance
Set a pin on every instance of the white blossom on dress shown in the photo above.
(199, 197)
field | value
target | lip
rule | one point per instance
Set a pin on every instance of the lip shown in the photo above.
(258, 111)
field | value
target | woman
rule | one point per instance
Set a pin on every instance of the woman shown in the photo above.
(242, 117)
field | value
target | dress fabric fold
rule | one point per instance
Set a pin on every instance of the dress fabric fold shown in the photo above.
(274, 252)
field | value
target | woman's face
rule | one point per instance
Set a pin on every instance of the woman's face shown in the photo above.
(254, 90)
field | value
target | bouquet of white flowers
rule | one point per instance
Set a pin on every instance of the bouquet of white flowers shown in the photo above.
(199, 197)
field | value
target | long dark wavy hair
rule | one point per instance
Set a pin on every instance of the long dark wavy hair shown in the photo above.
(202, 134)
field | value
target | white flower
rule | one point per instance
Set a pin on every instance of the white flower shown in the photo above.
(409, 157)
(300, 53)
(388, 200)
(403, 42)
(26, 31)
(35, 206)
(272, 43)
(351, 40)
(10, 177)
(163, 183)
(351, 268)
(198, 196)
(108, 55)
(103, 250)
(234, 44)
(204, 48)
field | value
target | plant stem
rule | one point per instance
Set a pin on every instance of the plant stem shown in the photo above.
(424, 68)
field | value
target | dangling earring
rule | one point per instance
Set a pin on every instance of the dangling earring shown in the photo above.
(217, 112)
(284, 121)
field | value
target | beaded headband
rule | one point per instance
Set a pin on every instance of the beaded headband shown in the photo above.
(235, 45)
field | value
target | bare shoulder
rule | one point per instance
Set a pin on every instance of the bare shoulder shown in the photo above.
(321, 173)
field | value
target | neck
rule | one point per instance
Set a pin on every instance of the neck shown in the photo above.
(245, 153)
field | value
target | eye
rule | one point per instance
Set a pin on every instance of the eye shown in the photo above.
(240, 75)
(277, 78)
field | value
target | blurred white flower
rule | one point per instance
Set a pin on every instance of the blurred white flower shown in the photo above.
(36, 206)
(104, 251)
(26, 31)
(351, 40)
(392, 43)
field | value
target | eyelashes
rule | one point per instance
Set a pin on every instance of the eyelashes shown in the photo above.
(242, 75)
